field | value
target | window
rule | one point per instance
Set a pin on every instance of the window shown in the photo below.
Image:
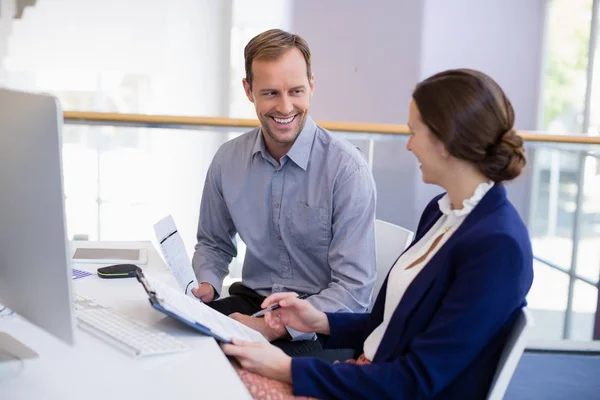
(565, 216)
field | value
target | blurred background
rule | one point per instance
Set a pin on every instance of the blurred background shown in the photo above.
(185, 58)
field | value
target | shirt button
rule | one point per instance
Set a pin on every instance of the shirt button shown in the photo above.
(276, 205)
(278, 237)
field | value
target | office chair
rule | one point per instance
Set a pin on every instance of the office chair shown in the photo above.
(509, 359)
(391, 240)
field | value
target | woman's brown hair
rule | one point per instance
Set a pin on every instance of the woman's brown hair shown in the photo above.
(469, 112)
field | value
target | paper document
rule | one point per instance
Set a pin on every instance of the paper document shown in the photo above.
(173, 249)
(196, 311)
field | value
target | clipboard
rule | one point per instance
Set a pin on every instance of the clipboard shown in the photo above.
(156, 303)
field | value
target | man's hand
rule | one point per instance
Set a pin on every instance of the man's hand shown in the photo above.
(205, 292)
(258, 324)
(261, 358)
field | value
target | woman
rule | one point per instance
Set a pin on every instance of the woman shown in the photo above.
(443, 314)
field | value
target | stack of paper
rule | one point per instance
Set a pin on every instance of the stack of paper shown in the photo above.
(198, 312)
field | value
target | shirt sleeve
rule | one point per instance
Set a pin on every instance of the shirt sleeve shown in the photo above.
(216, 245)
(297, 335)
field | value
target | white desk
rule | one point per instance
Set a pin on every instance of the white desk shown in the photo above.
(93, 369)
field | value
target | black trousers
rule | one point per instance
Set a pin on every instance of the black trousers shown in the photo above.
(246, 301)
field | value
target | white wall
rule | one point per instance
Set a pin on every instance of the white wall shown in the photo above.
(181, 46)
(176, 53)
(7, 11)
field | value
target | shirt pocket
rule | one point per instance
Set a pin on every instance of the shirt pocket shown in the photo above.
(309, 227)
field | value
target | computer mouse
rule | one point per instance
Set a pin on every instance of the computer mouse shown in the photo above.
(118, 271)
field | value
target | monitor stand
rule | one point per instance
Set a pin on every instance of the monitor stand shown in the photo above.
(13, 353)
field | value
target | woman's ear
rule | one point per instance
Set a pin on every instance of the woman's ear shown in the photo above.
(442, 150)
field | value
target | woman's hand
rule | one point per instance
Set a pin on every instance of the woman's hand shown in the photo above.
(295, 313)
(261, 358)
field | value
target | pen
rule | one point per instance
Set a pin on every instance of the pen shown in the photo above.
(275, 307)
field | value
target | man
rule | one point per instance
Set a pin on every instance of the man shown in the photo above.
(302, 201)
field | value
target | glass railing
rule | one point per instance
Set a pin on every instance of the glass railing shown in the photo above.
(125, 172)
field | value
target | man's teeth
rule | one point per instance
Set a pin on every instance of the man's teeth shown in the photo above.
(284, 121)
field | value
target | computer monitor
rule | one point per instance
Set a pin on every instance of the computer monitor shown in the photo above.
(35, 270)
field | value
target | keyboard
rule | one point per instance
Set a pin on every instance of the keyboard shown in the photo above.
(124, 333)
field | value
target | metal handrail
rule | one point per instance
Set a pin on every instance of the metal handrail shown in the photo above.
(565, 270)
(170, 121)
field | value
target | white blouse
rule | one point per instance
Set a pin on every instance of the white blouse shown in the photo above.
(400, 277)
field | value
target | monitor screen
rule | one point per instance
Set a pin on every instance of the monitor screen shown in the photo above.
(35, 270)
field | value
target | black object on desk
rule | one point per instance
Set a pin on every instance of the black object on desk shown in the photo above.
(118, 271)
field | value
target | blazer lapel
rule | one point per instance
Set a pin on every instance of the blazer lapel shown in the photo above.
(379, 306)
(415, 292)
(420, 286)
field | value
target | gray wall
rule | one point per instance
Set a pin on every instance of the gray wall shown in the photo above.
(368, 55)
(365, 56)
(503, 38)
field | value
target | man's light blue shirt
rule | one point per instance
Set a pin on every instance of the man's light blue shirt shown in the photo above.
(308, 222)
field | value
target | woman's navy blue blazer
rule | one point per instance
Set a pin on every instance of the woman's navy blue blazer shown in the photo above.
(445, 337)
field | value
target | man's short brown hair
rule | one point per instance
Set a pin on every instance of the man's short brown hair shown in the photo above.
(272, 44)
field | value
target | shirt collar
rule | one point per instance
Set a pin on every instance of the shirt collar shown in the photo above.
(259, 144)
(468, 204)
(300, 150)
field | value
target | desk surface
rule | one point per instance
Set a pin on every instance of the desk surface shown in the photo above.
(93, 369)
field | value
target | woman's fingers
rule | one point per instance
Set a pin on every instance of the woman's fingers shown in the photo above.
(237, 348)
(276, 298)
(231, 349)
(271, 320)
(244, 344)
(282, 317)
(276, 320)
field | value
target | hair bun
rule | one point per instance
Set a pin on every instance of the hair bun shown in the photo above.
(505, 160)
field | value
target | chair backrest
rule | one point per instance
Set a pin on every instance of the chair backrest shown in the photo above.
(391, 240)
(509, 359)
